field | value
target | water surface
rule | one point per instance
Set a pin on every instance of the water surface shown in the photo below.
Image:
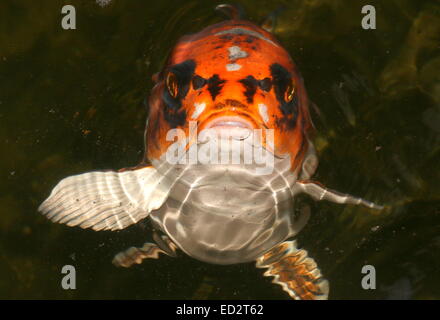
(74, 101)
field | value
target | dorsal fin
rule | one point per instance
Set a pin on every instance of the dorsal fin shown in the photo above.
(270, 22)
(232, 11)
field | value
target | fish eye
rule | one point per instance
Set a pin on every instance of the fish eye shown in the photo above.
(172, 85)
(265, 84)
(198, 82)
(290, 91)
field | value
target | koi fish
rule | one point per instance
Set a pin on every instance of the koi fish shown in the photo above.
(231, 96)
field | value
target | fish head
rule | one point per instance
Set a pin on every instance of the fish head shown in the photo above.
(234, 78)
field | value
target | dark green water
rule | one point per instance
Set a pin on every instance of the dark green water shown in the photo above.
(73, 101)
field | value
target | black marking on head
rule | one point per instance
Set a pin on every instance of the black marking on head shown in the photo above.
(250, 84)
(198, 82)
(184, 72)
(175, 119)
(215, 84)
(250, 39)
(265, 84)
(281, 79)
(226, 37)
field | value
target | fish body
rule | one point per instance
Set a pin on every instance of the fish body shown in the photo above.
(227, 150)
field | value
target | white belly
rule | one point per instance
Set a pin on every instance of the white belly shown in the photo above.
(227, 214)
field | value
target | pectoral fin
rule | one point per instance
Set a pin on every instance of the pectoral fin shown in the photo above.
(319, 192)
(106, 200)
(297, 273)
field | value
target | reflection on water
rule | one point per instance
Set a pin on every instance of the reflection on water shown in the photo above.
(73, 101)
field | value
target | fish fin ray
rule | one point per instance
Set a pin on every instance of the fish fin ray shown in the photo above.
(319, 192)
(233, 12)
(106, 200)
(149, 250)
(294, 271)
(270, 22)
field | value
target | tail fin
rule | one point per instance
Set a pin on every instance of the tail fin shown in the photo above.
(297, 273)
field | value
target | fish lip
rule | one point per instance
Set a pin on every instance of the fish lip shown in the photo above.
(236, 127)
(229, 122)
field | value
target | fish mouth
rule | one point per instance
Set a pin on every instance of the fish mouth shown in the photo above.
(231, 115)
(224, 127)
